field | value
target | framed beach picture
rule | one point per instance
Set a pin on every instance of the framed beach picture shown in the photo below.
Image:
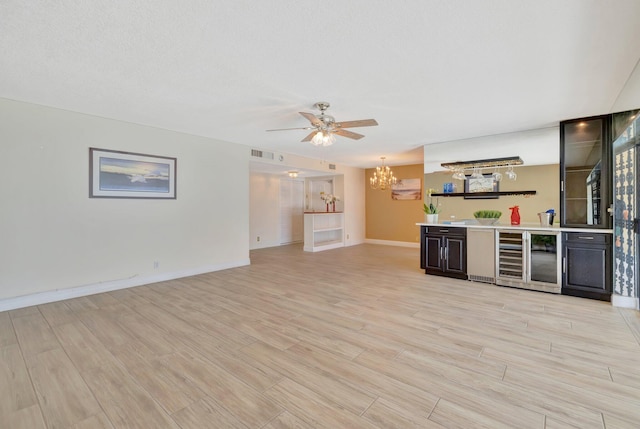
(478, 185)
(406, 189)
(116, 174)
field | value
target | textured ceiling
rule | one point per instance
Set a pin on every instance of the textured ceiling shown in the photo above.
(428, 71)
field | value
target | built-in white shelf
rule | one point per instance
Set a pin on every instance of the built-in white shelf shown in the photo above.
(323, 231)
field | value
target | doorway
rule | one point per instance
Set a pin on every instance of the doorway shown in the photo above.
(291, 211)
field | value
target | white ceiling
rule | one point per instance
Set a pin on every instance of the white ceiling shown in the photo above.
(428, 71)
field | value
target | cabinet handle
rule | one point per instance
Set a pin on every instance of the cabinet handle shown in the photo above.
(564, 265)
(446, 251)
(585, 238)
(444, 230)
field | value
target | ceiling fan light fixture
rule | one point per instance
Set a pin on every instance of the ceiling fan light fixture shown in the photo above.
(325, 127)
(323, 138)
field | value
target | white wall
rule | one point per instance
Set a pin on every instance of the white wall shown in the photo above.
(629, 97)
(354, 205)
(53, 236)
(535, 147)
(264, 205)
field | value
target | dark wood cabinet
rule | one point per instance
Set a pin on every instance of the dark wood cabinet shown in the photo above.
(586, 200)
(443, 251)
(587, 267)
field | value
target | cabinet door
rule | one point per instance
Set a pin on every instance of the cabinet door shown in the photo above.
(587, 270)
(433, 257)
(455, 252)
(585, 172)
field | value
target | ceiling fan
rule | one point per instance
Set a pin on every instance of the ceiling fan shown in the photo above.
(325, 126)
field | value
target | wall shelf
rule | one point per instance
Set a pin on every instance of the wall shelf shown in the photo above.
(483, 194)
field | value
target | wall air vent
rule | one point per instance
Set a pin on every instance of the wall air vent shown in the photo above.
(261, 154)
(332, 166)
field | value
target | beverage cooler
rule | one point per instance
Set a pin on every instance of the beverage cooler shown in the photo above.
(528, 259)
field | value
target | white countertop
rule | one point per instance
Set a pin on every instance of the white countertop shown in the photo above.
(527, 226)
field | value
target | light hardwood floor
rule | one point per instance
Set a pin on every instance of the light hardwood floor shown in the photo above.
(357, 337)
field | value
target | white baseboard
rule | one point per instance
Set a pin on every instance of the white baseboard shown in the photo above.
(92, 289)
(392, 243)
(625, 301)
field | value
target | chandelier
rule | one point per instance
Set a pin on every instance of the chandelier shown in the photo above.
(383, 177)
(323, 138)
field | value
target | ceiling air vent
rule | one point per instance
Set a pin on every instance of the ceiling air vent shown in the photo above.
(332, 166)
(260, 154)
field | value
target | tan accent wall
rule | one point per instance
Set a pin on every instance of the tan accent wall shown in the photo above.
(544, 179)
(394, 220)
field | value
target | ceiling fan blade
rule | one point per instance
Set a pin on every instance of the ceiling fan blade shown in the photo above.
(359, 123)
(310, 136)
(287, 129)
(312, 118)
(349, 134)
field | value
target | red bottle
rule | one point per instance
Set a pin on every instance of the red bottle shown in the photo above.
(515, 215)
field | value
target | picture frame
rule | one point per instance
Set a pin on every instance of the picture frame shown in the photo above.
(119, 174)
(407, 189)
(476, 185)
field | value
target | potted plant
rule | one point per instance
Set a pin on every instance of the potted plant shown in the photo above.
(431, 209)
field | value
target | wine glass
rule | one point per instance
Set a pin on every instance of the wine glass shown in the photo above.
(497, 176)
(458, 174)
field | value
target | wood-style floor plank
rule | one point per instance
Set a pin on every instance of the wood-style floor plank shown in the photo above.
(57, 313)
(34, 334)
(355, 400)
(63, 395)
(207, 410)
(25, 418)
(167, 387)
(7, 334)
(125, 403)
(313, 408)
(286, 420)
(16, 390)
(98, 421)
(247, 405)
(417, 402)
(356, 337)
(386, 414)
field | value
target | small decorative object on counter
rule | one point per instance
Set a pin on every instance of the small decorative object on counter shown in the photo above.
(487, 217)
(329, 199)
(546, 218)
(515, 215)
(431, 209)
